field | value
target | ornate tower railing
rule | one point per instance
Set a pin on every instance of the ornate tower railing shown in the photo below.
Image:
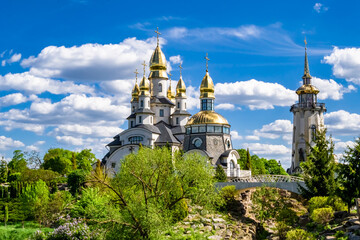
(269, 178)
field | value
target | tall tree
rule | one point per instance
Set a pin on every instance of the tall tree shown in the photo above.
(18, 162)
(220, 174)
(3, 171)
(248, 160)
(349, 175)
(318, 169)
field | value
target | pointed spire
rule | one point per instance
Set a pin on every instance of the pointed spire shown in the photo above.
(180, 86)
(307, 77)
(144, 85)
(170, 94)
(136, 90)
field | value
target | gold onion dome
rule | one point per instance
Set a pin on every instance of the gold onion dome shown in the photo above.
(144, 87)
(207, 117)
(180, 88)
(170, 93)
(135, 93)
(307, 88)
(207, 87)
(158, 64)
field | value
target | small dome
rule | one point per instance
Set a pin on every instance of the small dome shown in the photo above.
(135, 93)
(207, 87)
(144, 86)
(158, 64)
(207, 117)
(307, 88)
(170, 93)
(180, 88)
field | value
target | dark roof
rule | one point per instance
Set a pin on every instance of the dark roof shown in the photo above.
(166, 135)
(181, 112)
(178, 130)
(226, 153)
(131, 116)
(162, 100)
(116, 142)
(144, 110)
(149, 127)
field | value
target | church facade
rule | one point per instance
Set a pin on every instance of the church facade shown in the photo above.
(308, 118)
(159, 117)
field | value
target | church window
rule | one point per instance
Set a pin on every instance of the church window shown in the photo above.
(113, 165)
(148, 103)
(142, 103)
(160, 87)
(188, 130)
(132, 123)
(151, 119)
(207, 105)
(210, 129)
(178, 104)
(140, 119)
(202, 129)
(135, 139)
(161, 112)
(133, 109)
(217, 129)
(228, 143)
(197, 142)
(313, 132)
(226, 130)
(177, 120)
(195, 129)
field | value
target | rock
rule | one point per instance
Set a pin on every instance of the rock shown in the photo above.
(215, 237)
(196, 226)
(208, 228)
(340, 214)
(353, 228)
(228, 233)
(218, 226)
(216, 220)
(330, 237)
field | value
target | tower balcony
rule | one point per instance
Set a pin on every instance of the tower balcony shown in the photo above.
(307, 106)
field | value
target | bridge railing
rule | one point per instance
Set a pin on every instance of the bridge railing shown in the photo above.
(268, 178)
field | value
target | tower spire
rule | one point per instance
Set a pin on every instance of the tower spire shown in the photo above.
(307, 77)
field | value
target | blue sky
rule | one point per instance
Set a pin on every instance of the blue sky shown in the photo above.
(67, 67)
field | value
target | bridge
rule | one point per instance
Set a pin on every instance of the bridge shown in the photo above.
(289, 183)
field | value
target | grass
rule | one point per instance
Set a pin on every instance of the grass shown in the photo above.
(15, 231)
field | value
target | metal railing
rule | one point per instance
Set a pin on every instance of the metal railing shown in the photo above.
(269, 178)
(308, 105)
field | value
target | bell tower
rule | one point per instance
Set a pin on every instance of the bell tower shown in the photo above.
(308, 118)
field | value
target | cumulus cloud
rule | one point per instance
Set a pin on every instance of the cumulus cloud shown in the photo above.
(8, 143)
(235, 135)
(15, 98)
(278, 128)
(330, 89)
(91, 62)
(255, 94)
(342, 122)
(14, 58)
(319, 7)
(252, 138)
(225, 106)
(345, 63)
(342, 146)
(267, 149)
(176, 59)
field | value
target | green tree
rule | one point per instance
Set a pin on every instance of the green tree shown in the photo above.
(318, 169)
(349, 175)
(242, 159)
(18, 162)
(76, 181)
(274, 167)
(153, 186)
(33, 159)
(3, 171)
(248, 160)
(6, 214)
(35, 199)
(258, 165)
(220, 174)
(85, 159)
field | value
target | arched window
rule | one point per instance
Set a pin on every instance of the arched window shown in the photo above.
(133, 109)
(161, 112)
(313, 132)
(142, 103)
(177, 120)
(140, 119)
(232, 166)
(178, 105)
(160, 87)
(135, 139)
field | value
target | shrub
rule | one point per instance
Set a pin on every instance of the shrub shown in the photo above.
(322, 215)
(299, 234)
(324, 202)
(281, 229)
(227, 195)
(76, 181)
(220, 174)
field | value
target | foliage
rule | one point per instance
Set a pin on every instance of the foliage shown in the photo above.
(227, 194)
(322, 215)
(17, 232)
(248, 160)
(76, 180)
(319, 168)
(265, 203)
(35, 198)
(149, 186)
(299, 234)
(349, 175)
(18, 162)
(3, 171)
(274, 167)
(220, 175)
(33, 159)
(6, 214)
(15, 210)
(14, 177)
(323, 202)
(33, 175)
(258, 165)
(281, 229)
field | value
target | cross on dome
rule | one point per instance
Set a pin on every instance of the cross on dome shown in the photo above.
(157, 33)
(180, 67)
(136, 73)
(144, 64)
(207, 61)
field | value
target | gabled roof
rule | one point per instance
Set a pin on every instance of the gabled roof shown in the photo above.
(162, 100)
(145, 110)
(149, 127)
(178, 130)
(166, 135)
(131, 116)
(181, 112)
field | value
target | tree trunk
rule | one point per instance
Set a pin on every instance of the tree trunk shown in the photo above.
(358, 207)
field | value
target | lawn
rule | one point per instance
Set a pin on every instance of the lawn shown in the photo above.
(15, 231)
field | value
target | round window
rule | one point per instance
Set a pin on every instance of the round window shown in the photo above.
(197, 142)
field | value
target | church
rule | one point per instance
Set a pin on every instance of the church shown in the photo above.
(159, 117)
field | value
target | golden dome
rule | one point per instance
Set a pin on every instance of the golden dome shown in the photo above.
(180, 88)
(158, 64)
(207, 87)
(144, 87)
(170, 93)
(135, 93)
(207, 117)
(307, 88)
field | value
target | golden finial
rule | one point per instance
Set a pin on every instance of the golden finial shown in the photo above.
(136, 73)
(305, 42)
(170, 78)
(144, 64)
(207, 61)
(157, 33)
(180, 67)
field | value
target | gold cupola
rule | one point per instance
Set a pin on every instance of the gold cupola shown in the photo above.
(207, 87)
(170, 93)
(180, 86)
(144, 84)
(136, 90)
(207, 117)
(158, 61)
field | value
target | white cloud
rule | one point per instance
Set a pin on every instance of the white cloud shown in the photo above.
(267, 149)
(319, 7)
(252, 138)
(235, 135)
(29, 83)
(15, 98)
(8, 143)
(94, 131)
(255, 94)
(225, 106)
(91, 62)
(278, 128)
(330, 89)
(342, 146)
(15, 58)
(345, 63)
(342, 122)
(176, 59)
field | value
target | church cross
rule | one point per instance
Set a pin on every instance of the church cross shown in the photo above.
(305, 43)
(157, 33)
(136, 73)
(207, 61)
(144, 64)
(170, 78)
(180, 68)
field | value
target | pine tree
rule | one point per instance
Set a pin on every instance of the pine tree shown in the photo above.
(318, 169)
(349, 175)
(248, 160)
(220, 174)
(6, 214)
(73, 160)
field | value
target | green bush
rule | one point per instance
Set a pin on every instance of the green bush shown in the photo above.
(318, 202)
(227, 195)
(281, 229)
(299, 234)
(322, 215)
(337, 204)
(76, 181)
(220, 174)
